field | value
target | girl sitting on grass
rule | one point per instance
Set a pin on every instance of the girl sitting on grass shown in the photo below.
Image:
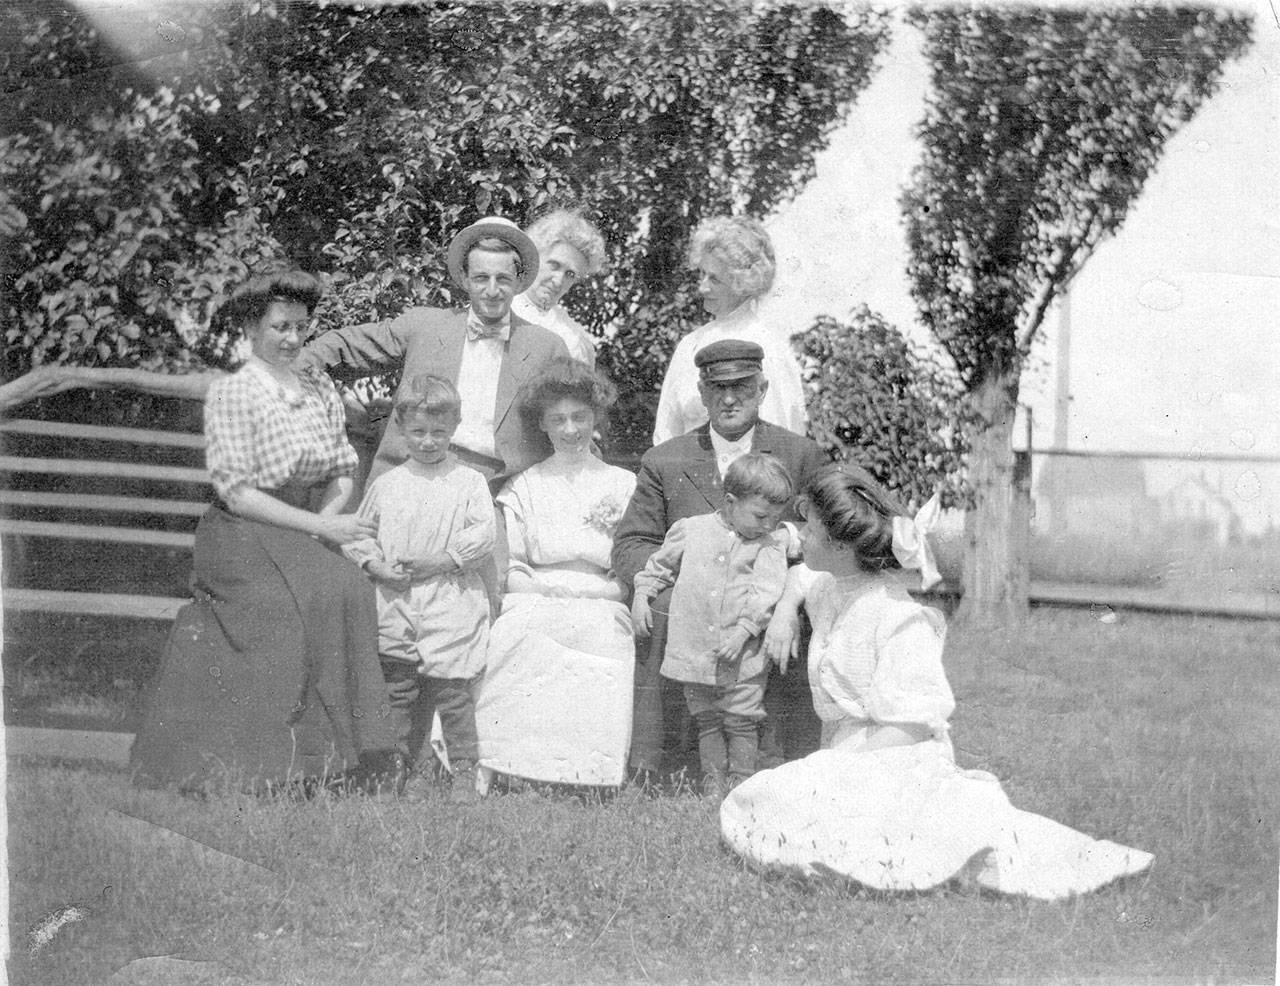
(883, 802)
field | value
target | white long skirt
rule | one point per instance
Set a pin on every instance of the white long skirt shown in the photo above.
(907, 818)
(555, 700)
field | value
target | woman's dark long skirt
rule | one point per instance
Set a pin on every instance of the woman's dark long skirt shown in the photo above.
(271, 674)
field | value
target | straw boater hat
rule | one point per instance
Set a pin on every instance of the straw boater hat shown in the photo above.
(502, 229)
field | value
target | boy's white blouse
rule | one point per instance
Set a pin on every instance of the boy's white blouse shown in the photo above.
(420, 509)
(442, 624)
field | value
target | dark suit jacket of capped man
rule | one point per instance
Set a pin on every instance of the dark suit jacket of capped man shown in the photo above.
(679, 479)
(430, 340)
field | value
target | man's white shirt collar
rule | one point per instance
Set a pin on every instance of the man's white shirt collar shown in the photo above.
(726, 451)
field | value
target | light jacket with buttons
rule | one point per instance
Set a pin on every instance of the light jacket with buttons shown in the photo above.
(679, 479)
(721, 582)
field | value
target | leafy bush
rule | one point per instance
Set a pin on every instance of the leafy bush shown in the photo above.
(891, 407)
(107, 264)
(356, 141)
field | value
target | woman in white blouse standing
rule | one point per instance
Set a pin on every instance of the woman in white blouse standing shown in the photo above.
(569, 250)
(733, 257)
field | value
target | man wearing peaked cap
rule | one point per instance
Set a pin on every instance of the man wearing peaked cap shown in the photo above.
(681, 478)
(485, 350)
(729, 359)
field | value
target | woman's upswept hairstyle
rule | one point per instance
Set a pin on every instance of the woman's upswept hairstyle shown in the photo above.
(250, 301)
(568, 226)
(563, 378)
(742, 245)
(425, 394)
(856, 511)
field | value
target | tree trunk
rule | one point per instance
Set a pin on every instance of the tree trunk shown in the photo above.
(995, 592)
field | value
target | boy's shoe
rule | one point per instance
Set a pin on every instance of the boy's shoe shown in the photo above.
(378, 772)
(463, 789)
(418, 788)
(715, 786)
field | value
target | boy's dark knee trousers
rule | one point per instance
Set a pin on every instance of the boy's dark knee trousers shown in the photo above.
(743, 735)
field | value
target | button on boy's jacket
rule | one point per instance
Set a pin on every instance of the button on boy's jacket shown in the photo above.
(679, 479)
(722, 582)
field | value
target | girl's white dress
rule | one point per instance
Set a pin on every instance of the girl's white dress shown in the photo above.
(903, 817)
(555, 702)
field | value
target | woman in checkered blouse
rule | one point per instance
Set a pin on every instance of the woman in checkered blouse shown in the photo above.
(271, 674)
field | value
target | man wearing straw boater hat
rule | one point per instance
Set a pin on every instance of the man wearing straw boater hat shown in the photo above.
(485, 350)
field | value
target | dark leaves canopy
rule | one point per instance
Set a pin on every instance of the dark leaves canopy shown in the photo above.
(356, 141)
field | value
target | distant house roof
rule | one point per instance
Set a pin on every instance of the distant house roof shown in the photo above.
(1196, 489)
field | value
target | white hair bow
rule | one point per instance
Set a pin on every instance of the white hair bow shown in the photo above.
(911, 543)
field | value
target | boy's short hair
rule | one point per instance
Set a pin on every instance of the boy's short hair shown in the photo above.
(425, 394)
(759, 474)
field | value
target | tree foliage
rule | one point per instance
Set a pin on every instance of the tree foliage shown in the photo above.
(1040, 130)
(357, 141)
(877, 400)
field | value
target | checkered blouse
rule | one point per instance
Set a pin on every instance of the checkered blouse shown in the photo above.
(261, 436)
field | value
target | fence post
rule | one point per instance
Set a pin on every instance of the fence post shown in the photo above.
(1020, 527)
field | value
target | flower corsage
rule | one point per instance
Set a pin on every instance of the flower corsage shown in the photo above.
(604, 515)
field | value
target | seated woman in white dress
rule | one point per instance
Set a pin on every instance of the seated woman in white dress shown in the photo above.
(555, 701)
(569, 249)
(883, 802)
(733, 257)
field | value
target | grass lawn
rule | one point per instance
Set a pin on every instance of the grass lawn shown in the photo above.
(1160, 733)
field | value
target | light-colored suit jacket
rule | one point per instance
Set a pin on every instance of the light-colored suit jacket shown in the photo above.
(429, 340)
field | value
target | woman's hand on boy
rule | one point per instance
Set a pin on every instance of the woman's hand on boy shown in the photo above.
(392, 575)
(342, 529)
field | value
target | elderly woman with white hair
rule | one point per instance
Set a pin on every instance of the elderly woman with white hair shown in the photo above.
(733, 257)
(570, 249)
